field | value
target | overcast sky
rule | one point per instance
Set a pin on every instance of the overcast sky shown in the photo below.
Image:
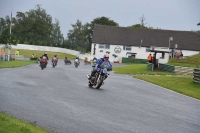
(165, 14)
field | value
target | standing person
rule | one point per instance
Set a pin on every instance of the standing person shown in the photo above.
(149, 58)
(154, 60)
(2, 52)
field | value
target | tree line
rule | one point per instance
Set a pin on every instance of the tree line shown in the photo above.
(35, 27)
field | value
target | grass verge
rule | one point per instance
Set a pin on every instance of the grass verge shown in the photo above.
(16, 63)
(138, 69)
(183, 85)
(13, 125)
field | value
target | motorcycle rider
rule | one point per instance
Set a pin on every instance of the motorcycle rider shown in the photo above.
(94, 61)
(77, 59)
(45, 54)
(99, 62)
(55, 56)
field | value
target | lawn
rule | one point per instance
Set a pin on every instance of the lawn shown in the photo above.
(183, 85)
(10, 124)
(138, 69)
(177, 83)
(16, 63)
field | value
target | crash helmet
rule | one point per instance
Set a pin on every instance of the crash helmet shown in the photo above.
(106, 56)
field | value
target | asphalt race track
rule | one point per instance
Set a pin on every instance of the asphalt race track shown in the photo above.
(59, 99)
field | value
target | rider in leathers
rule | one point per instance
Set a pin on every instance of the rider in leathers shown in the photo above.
(99, 62)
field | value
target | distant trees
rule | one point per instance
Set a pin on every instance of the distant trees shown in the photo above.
(80, 37)
(33, 27)
(137, 26)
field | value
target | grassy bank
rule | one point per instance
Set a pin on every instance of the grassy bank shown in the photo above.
(183, 85)
(16, 63)
(191, 61)
(9, 124)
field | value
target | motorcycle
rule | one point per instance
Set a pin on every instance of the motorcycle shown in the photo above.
(43, 62)
(86, 61)
(102, 73)
(54, 61)
(67, 61)
(76, 63)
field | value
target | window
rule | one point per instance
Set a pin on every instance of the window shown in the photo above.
(127, 48)
(101, 45)
(148, 49)
(104, 46)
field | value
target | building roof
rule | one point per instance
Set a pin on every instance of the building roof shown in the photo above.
(186, 40)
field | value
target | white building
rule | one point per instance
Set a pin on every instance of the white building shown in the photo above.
(139, 43)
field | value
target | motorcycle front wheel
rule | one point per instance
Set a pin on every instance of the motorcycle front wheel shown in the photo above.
(99, 83)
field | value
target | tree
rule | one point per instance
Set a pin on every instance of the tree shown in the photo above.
(137, 26)
(141, 25)
(57, 37)
(33, 27)
(77, 37)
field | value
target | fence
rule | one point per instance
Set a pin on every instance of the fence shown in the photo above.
(131, 60)
(8, 57)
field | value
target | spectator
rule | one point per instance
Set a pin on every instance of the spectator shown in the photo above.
(149, 58)
(2, 51)
(154, 60)
(33, 56)
(17, 52)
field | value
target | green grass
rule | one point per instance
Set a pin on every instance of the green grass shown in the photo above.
(10, 124)
(16, 63)
(183, 85)
(191, 61)
(28, 53)
(138, 69)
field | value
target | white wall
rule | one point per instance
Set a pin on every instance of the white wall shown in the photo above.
(141, 53)
(189, 52)
(45, 48)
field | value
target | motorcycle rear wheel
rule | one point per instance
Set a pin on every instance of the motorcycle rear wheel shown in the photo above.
(89, 84)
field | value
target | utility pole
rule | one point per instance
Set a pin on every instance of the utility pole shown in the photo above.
(142, 21)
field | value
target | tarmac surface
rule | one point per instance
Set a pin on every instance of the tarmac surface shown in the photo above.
(59, 99)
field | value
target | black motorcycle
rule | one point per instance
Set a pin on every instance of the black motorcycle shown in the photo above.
(102, 73)
(67, 61)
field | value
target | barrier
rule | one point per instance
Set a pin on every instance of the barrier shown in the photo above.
(131, 60)
(196, 74)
